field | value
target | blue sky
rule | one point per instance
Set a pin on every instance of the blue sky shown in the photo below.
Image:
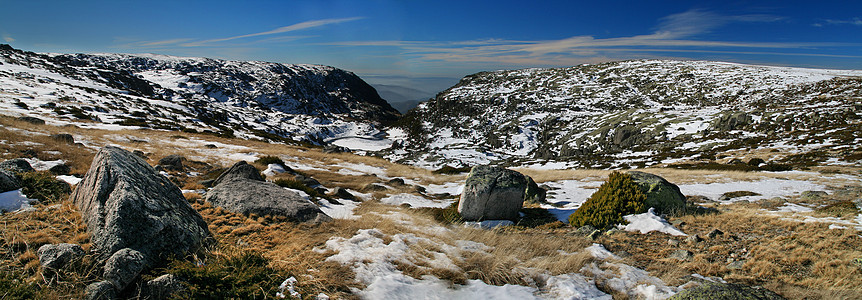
(428, 45)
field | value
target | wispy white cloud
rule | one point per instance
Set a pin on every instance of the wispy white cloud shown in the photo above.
(189, 42)
(8, 38)
(855, 21)
(673, 33)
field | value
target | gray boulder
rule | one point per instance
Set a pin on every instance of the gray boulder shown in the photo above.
(492, 193)
(241, 190)
(664, 196)
(534, 193)
(126, 204)
(101, 290)
(172, 162)
(32, 120)
(61, 169)
(57, 256)
(123, 267)
(725, 291)
(8, 181)
(17, 165)
(731, 121)
(341, 193)
(164, 287)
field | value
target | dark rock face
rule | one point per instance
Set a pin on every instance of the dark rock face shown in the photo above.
(241, 190)
(492, 193)
(100, 291)
(57, 256)
(126, 204)
(662, 195)
(8, 181)
(725, 291)
(172, 162)
(18, 165)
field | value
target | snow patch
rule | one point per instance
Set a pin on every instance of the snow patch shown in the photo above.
(648, 222)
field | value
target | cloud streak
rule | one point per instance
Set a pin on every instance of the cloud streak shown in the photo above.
(673, 33)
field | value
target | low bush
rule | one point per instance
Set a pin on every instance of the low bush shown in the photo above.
(229, 275)
(44, 187)
(617, 197)
(269, 159)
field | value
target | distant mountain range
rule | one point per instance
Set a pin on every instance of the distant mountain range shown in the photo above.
(248, 99)
(637, 113)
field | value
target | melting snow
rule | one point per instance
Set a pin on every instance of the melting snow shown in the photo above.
(414, 201)
(648, 222)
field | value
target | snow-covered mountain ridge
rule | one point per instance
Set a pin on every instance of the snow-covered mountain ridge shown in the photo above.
(635, 113)
(270, 100)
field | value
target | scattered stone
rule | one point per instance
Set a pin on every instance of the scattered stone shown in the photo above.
(373, 187)
(123, 267)
(698, 199)
(241, 190)
(714, 233)
(173, 162)
(330, 148)
(164, 287)
(736, 265)
(672, 242)
(693, 239)
(731, 121)
(61, 169)
(677, 223)
(8, 181)
(32, 120)
(63, 138)
(210, 146)
(681, 254)
(17, 165)
(725, 291)
(126, 204)
(813, 195)
(307, 181)
(662, 195)
(57, 256)
(341, 193)
(731, 195)
(492, 193)
(396, 182)
(101, 290)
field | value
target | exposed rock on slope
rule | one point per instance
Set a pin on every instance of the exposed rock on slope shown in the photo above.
(493, 193)
(242, 190)
(126, 204)
(633, 113)
(266, 100)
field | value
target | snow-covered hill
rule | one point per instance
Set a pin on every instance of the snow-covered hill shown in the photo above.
(636, 113)
(248, 99)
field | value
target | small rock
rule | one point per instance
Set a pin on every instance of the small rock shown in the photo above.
(17, 165)
(330, 148)
(63, 138)
(677, 223)
(693, 239)
(307, 181)
(57, 256)
(61, 169)
(681, 254)
(8, 181)
(32, 120)
(100, 291)
(140, 154)
(210, 146)
(373, 187)
(714, 233)
(172, 162)
(122, 267)
(736, 265)
(395, 182)
(672, 242)
(164, 287)
(813, 195)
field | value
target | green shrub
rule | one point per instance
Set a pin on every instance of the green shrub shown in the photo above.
(269, 159)
(44, 187)
(235, 275)
(617, 197)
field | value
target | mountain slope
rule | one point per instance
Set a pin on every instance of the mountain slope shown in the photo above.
(270, 100)
(633, 113)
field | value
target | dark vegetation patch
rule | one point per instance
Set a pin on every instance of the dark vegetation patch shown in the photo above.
(617, 197)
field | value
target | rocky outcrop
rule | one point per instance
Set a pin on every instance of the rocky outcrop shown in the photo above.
(662, 195)
(17, 165)
(492, 193)
(725, 291)
(57, 256)
(732, 121)
(8, 181)
(126, 204)
(242, 190)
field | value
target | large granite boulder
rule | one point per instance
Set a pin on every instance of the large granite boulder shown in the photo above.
(725, 291)
(492, 193)
(662, 195)
(126, 204)
(242, 190)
